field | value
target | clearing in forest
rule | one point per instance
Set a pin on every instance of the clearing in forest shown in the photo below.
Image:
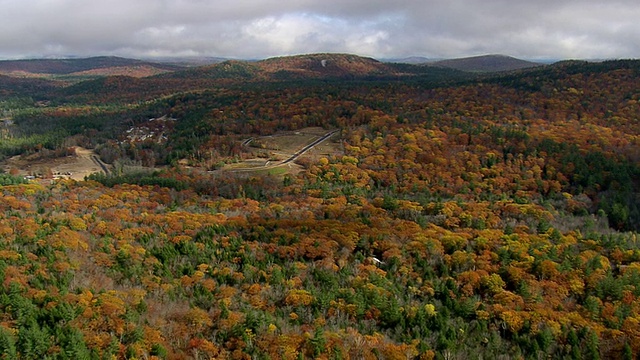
(286, 149)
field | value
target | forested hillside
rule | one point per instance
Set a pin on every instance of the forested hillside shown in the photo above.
(486, 63)
(465, 216)
(43, 67)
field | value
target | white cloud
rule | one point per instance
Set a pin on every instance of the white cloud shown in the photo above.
(259, 28)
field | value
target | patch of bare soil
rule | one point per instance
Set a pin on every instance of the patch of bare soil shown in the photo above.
(277, 148)
(75, 166)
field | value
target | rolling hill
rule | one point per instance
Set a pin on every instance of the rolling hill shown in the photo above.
(11, 86)
(324, 65)
(409, 60)
(315, 67)
(299, 67)
(289, 69)
(486, 63)
(94, 66)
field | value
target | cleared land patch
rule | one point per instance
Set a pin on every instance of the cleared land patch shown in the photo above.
(81, 163)
(277, 149)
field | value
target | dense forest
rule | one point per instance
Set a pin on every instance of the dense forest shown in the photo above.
(466, 216)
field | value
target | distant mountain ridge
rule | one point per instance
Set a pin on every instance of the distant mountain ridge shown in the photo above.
(415, 60)
(91, 65)
(116, 76)
(322, 65)
(346, 66)
(189, 61)
(486, 63)
(314, 67)
(297, 67)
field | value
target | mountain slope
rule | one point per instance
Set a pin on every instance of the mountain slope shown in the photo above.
(95, 65)
(324, 65)
(10, 86)
(486, 63)
(299, 67)
(415, 60)
(230, 69)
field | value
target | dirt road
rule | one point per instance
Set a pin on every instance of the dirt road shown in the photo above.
(87, 163)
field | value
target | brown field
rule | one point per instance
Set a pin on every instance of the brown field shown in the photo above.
(280, 147)
(75, 166)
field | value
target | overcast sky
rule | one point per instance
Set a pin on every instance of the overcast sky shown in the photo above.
(530, 29)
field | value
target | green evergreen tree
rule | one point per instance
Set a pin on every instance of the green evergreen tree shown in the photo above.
(7, 345)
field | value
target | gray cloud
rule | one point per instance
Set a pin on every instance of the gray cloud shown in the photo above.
(263, 28)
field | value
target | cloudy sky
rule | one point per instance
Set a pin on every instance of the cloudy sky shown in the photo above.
(530, 29)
